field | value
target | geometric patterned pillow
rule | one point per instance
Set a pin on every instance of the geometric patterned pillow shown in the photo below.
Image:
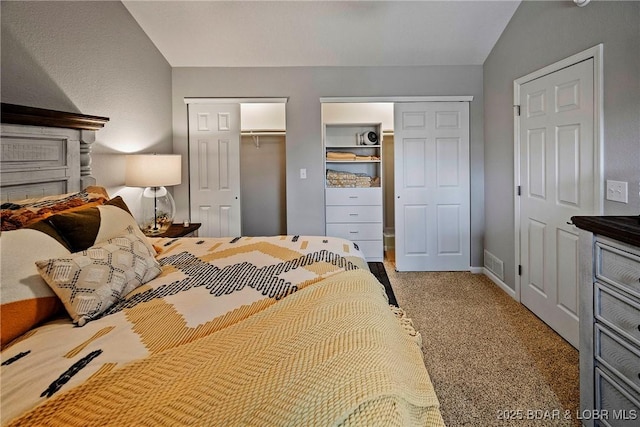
(91, 281)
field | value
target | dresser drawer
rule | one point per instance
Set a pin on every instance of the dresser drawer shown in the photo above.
(356, 231)
(353, 196)
(618, 356)
(618, 267)
(618, 312)
(349, 214)
(623, 408)
(371, 249)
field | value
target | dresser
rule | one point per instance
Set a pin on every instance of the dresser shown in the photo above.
(356, 214)
(353, 192)
(609, 320)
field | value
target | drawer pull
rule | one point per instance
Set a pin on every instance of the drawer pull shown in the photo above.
(353, 214)
(353, 197)
(353, 232)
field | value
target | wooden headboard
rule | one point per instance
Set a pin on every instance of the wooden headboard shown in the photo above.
(44, 152)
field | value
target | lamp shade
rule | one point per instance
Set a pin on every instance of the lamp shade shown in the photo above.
(153, 170)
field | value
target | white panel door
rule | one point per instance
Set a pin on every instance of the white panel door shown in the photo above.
(214, 168)
(432, 219)
(557, 178)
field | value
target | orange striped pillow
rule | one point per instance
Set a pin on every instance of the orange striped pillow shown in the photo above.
(25, 297)
(21, 213)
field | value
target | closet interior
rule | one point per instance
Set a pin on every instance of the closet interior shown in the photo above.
(362, 210)
(263, 169)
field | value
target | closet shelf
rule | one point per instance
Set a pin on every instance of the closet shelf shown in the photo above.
(352, 161)
(354, 146)
(263, 132)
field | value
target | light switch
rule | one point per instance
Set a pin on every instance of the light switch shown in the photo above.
(617, 191)
(303, 173)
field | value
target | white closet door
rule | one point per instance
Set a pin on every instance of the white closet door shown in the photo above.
(432, 219)
(214, 168)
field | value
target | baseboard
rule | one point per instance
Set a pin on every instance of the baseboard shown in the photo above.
(500, 283)
(476, 270)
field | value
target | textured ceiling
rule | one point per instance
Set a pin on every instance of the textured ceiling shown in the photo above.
(322, 33)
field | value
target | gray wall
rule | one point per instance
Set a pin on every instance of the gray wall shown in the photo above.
(539, 34)
(304, 86)
(91, 58)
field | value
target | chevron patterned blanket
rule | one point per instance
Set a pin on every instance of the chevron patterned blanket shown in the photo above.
(265, 331)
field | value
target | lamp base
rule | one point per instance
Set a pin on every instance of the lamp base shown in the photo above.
(158, 211)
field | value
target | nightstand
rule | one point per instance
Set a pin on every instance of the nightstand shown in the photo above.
(179, 230)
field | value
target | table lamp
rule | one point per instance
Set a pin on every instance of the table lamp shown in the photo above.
(155, 172)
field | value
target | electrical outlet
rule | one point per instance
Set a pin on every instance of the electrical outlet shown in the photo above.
(617, 191)
(303, 173)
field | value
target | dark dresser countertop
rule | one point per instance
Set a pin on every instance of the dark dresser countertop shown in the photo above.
(625, 229)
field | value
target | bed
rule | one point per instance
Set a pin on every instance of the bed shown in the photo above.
(113, 328)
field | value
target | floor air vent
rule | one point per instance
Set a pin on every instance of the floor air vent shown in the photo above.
(494, 264)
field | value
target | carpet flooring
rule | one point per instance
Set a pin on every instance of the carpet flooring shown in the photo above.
(487, 354)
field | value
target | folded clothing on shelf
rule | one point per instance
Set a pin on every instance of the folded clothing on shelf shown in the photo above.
(345, 155)
(350, 180)
(340, 155)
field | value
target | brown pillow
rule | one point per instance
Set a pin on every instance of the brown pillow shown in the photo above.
(80, 229)
(46, 228)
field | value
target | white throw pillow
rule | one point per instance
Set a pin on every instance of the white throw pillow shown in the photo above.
(91, 281)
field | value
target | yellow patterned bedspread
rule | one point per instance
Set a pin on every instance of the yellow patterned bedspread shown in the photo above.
(330, 353)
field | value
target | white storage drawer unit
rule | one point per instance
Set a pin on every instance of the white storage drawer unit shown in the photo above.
(355, 231)
(354, 196)
(371, 249)
(354, 212)
(610, 320)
